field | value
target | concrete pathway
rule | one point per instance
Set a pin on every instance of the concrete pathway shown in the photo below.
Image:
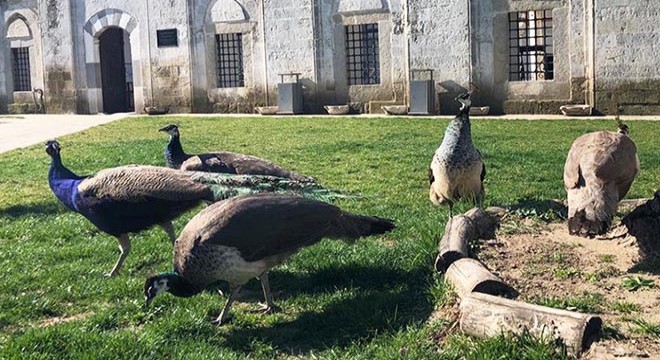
(18, 131)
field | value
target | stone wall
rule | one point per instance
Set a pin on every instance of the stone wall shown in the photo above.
(604, 53)
(440, 40)
(20, 27)
(627, 48)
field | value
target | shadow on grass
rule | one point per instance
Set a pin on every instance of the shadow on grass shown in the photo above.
(373, 301)
(544, 208)
(42, 208)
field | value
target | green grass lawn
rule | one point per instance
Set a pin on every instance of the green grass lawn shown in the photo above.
(369, 300)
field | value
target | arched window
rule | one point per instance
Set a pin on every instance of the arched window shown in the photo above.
(22, 47)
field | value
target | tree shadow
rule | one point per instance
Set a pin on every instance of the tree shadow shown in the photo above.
(41, 208)
(377, 301)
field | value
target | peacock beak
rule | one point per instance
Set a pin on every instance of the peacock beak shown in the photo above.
(163, 129)
(147, 302)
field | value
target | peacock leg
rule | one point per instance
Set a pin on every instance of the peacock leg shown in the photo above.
(224, 315)
(269, 306)
(169, 229)
(124, 248)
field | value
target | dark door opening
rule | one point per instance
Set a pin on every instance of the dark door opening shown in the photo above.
(116, 86)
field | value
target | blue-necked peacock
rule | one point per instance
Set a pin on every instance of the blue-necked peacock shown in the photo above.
(132, 198)
(221, 162)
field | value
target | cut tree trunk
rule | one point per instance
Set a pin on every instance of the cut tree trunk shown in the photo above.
(459, 231)
(469, 275)
(486, 316)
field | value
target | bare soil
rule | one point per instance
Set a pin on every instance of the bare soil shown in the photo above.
(550, 267)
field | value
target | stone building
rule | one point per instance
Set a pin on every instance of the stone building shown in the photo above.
(521, 56)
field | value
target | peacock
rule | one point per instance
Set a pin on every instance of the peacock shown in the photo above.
(221, 162)
(244, 237)
(128, 199)
(457, 169)
(599, 170)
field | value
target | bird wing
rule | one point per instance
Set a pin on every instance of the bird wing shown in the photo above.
(618, 162)
(234, 163)
(572, 165)
(260, 226)
(137, 183)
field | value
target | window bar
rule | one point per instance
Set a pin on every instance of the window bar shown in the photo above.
(21, 68)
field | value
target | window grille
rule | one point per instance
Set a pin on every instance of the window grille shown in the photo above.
(230, 60)
(20, 60)
(362, 59)
(530, 46)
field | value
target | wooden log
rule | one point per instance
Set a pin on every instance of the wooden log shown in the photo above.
(469, 275)
(484, 315)
(459, 231)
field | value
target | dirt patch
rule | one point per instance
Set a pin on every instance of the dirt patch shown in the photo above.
(550, 267)
(62, 319)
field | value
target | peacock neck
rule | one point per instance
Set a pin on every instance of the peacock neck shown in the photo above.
(178, 286)
(63, 182)
(458, 133)
(174, 154)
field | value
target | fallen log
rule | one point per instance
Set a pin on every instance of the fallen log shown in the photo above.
(459, 231)
(484, 315)
(469, 275)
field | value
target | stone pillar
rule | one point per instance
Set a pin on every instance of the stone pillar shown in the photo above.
(56, 25)
(4, 61)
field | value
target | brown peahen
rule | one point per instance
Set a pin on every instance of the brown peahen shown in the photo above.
(221, 162)
(129, 199)
(244, 237)
(457, 170)
(599, 170)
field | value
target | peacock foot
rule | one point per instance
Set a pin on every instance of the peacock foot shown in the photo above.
(268, 309)
(220, 320)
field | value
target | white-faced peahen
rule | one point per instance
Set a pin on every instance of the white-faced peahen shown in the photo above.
(244, 237)
(221, 162)
(132, 198)
(457, 170)
(599, 170)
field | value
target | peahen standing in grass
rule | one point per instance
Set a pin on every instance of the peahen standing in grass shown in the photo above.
(221, 162)
(129, 199)
(599, 170)
(457, 170)
(244, 237)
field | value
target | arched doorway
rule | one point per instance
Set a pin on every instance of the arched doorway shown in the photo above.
(116, 71)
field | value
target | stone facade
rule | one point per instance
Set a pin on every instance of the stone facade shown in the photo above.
(604, 53)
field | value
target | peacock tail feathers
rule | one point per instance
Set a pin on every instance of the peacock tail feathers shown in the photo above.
(226, 186)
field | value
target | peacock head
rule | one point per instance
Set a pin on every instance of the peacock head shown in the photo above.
(53, 148)
(157, 285)
(171, 129)
(465, 100)
(623, 129)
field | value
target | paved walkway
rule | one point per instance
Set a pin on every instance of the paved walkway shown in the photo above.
(18, 131)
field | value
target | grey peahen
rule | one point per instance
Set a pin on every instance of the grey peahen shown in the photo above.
(221, 162)
(128, 199)
(244, 237)
(599, 170)
(457, 169)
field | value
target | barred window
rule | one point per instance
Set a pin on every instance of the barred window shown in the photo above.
(20, 62)
(530, 46)
(362, 59)
(230, 60)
